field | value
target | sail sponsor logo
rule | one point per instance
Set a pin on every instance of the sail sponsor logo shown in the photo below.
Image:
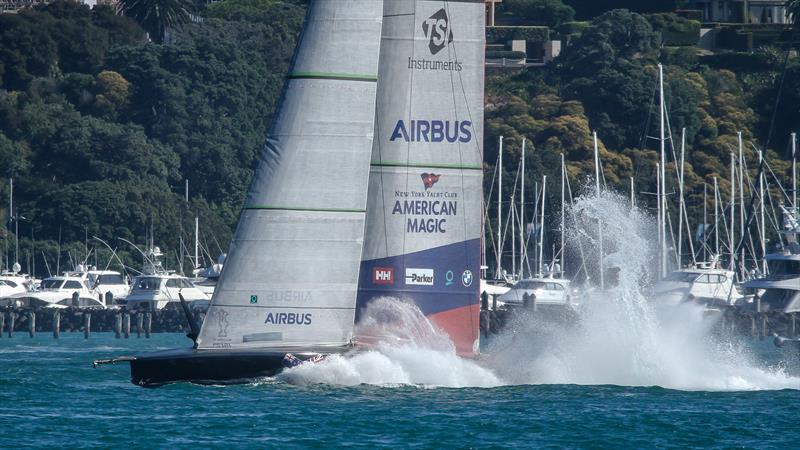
(288, 318)
(466, 278)
(438, 34)
(287, 296)
(382, 275)
(429, 179)
(433, 131)
(423, 210)
(419, 277)
(437, 31)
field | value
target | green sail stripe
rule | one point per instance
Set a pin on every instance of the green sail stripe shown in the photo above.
(300, 208)
(423, 166)
(333, 76)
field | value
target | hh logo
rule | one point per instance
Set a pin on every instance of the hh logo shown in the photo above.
(437, 31)
(382, 275)
(429, 179)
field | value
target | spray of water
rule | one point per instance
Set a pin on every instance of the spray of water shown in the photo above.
(404, 348)
(620, 335)
(623, 337)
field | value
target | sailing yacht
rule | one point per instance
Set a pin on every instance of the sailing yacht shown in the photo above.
(353, 203)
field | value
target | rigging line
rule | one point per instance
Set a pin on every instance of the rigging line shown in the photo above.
(410, 115)
(451, 48)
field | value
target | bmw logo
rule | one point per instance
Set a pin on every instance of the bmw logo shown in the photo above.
(466, 278)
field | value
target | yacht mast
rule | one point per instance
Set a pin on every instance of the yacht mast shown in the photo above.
(499, 269)
(680, 199)
(705, 222)
(741, 201)
(563, 200)
(599, 223)
(11, 215)
(513, 218)
(541, 227)
(633, 189)
(522, 243)
(794, 173)
(733, 212)
(716, 219)
(662, 199)
(763, 223)
(196, 242)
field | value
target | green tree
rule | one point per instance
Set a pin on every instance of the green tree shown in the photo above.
(157, 16)
(547, 12)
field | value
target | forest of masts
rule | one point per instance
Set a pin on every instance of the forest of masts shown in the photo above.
(734, 233)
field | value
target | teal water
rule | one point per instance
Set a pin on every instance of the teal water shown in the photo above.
(51, 397)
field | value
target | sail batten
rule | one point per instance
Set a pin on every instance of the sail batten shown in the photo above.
(290, 278)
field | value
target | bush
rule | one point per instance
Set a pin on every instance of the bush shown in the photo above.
(739, 61)
(546, 12)
(685, 57)
(503, 35)
(675, 31)
(505, 54)
(731, 38)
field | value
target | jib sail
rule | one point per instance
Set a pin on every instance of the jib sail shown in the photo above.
(290, 279)
(422, 240)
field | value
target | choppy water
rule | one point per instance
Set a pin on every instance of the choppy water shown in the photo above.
(51, 397)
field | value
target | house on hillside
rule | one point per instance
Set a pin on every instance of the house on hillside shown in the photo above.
(741, 11)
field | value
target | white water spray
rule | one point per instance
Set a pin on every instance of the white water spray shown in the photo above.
(404, 349)
(622, 337)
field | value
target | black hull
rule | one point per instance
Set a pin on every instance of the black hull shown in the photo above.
(204, 366)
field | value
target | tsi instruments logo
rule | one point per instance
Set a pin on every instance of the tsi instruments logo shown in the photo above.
(439, 34)
(437, 30)
(419, 277)
(382, 275)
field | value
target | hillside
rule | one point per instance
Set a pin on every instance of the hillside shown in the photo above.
(101, 129)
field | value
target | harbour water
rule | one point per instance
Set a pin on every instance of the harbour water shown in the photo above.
(51, 397)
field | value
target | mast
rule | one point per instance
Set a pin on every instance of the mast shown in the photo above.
(499, 270)
(663, 185)
(633, 192)
(680, 199)
(196, 242)
(522, 243)
(716, 219)
(541, 227)
(599, 222)
(763, 223)
(732, 241)
(705, 221)
(741, 200)
(794, 174)
(513, 218)
(563, 215)
(11, 217)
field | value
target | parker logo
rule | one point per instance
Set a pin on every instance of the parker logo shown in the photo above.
(419, 277)
(429, 179)
(437, 31)
(382, 275)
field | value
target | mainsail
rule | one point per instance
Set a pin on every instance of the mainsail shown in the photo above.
(422, 240)
(291, 275)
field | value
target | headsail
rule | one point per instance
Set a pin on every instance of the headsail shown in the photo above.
(290, 277)
(422, 241)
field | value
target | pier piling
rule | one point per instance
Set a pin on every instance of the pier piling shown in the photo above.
(11, 317)
(139, 321)
(56, 324)
(127, 327)
(148, 322)
(32, 323)
(118, 325)
(763, 326)
(2, 322)
(794, 325)
(87, 324)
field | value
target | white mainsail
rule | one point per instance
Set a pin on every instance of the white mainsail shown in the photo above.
(423, 236)
(291, 274)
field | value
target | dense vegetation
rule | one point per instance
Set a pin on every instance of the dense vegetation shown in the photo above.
(100, 127)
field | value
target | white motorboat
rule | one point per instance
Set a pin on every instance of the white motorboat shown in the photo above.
(14, 283)
(780, 290)
(156, 291)
(703, 282)
(91, 286)
(548, 291)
